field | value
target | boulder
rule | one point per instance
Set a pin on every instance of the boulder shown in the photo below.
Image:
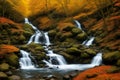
(3, 76)
(4, 67)
(76, 31)
(111, 57)
(81, 36)
(52, 33)
(90, 52)
(12, 59)
(73, 51)
(14, 77)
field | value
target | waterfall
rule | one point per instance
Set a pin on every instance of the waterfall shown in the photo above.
(25, 61)
(97, 60)
(56, 60)
(78, 24)
(88, 42)
(47, 39)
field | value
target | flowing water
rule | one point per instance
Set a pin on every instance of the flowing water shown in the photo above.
(56, 62)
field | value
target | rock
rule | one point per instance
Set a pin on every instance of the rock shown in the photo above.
(3, 76)
(118, 62)
(90, 52)
(12, 59)
(15, 77)
(76, 31)
(67, 77)
(68, 28)
(52, 33)
(113, 69)
(111, 57)
(73, 51)
(4, 67)
(84, 55)
(81, 36)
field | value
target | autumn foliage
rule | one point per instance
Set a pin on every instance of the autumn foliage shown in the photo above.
(98, 73)
(4, 49)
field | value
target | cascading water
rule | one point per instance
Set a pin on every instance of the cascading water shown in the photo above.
(56, 60)
(25, 61)
(88, 42)
(78, 24)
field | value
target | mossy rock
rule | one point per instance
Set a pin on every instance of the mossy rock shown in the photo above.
(76, 31)
(90, 52)
(113, 69)
(3, 76)
(12, 59)
(81, 36)
(111, 57)
(118, 62)
(28, 28)
(4, 67)
(73, 51)
(68, 28)
(84, 55)
(52, 33)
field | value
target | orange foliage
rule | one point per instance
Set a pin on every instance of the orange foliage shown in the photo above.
(100, 72)
(5, 20)
(4, 49)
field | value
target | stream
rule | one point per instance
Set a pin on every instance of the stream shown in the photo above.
(57, 65)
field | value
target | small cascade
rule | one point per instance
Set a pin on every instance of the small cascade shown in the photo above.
(36, 36)
(55, 59)
(25, 61)
(97, 60)
(88, 42)
(78, 25)
(47, 43)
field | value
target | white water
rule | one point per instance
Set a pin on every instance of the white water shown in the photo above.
(78, 24)
(56, 60)
(25, 61)
(88, 42)
(47, 39)
(96, 61)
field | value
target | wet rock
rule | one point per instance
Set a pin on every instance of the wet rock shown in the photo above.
(4, 67)
(67, 77)
(15, 77)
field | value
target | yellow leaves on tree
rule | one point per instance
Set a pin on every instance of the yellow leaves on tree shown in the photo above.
(66, 7)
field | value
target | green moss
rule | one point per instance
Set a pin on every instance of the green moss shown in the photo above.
(76, 31)
(73, 51)
(12, 59)
(90, 52)
(52, 33)
(81, 36)
(84, 55)
(4, 67)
